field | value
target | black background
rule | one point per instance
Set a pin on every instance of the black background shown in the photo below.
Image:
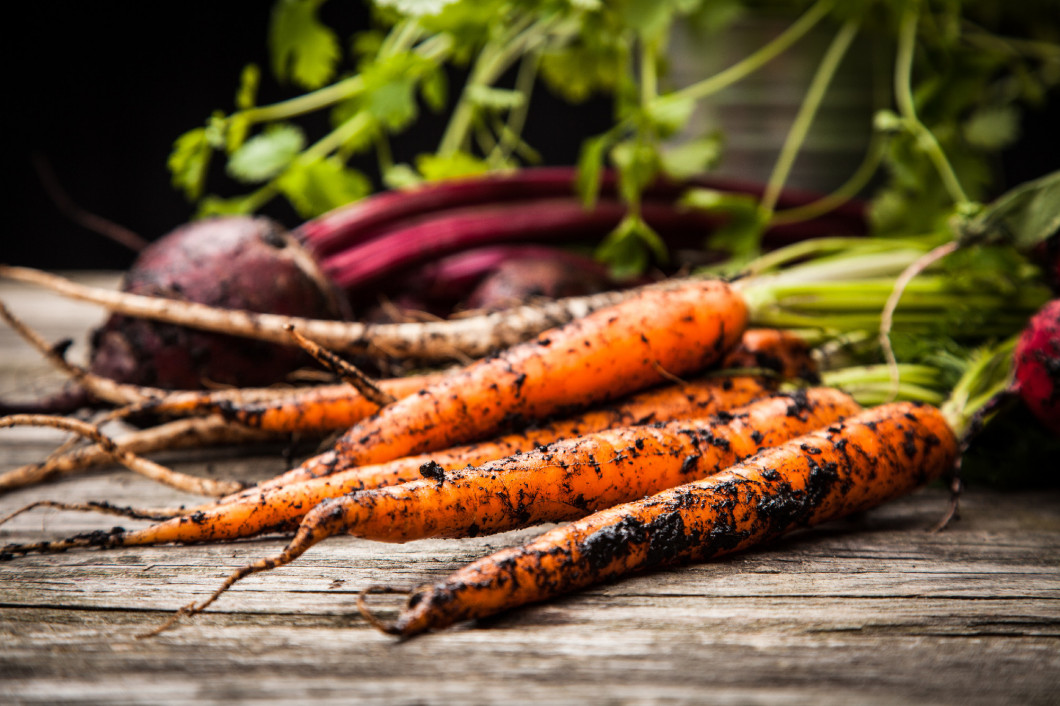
(99, 91)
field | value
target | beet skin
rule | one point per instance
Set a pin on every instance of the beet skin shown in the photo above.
(233, 262)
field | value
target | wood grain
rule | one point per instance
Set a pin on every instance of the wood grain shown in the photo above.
(874, 610)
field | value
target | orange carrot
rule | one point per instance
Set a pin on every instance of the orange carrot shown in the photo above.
(848, 467)
(561, 481)
(785, 353)
(696, 398)
(641, 341)
(320, 410)
(256, 512)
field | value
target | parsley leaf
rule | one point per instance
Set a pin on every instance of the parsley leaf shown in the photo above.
(303, 49)
(267, 154)
(317, 186)
(189, 161)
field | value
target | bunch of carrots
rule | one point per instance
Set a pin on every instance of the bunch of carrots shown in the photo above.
(675, 423)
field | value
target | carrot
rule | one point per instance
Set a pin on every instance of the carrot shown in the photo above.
(334, 407)
(849, 467)
(256, 511)
(561, 481)
(321, 409)
(785, 353)
(644, 340)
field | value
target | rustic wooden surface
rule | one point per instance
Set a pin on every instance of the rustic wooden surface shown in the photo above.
(873, 610)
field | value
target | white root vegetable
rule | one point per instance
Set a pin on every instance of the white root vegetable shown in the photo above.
(472, 336)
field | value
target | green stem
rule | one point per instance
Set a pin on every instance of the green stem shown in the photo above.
(494, 59)
(903, 96)
(354, 127)
(851, 188)
(435, 49)
(758, 59)
(988, 375)
(815, 94)
(649, 73)
(524, 85)
(819, 247)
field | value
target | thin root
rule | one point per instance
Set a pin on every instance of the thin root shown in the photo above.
(344, 369)
(887, 315)
(302, 541)
(390, 628)
(956, 488)
(100, 506)
(137, 464)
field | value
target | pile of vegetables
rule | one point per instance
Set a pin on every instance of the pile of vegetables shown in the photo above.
(701, 367)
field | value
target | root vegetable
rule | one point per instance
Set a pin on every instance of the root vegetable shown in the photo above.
(849, 467)
(639, 342)
(1037, 365)
(234, 263)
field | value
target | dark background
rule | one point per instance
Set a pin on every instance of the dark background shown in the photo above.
(99, 91)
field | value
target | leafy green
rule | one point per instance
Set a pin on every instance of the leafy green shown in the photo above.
(958, 89)
(1024, 216)
(436, 167)
(303, 49)
(629, 248)
(317, 186)
(265, 155)
(189, 161)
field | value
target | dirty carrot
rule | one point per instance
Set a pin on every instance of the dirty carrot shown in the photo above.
(637, 343)
(564, 480)
(256, 512)
(848, 467)
(769, 349)
(320, 409)
(268, 408)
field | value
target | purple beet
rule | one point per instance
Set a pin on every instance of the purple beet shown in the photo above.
(233, 262)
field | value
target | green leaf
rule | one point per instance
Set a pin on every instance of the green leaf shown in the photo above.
(188, 162)
(247, 93)
(401, 176)
(303, 49)
(669, 114)
(264, 156)
(628, 249)
(318, 186)
(637, 162)
(1023, 216)
(415, 8)
(594, 62)
(435, 89)
(436, 167)
(392, 103)
(740, 234)
(992, 127)
(692, 158)
(237, 206)
(236, 132)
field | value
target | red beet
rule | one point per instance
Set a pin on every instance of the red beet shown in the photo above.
(550, 275)
(1037, 365)
(234, 262)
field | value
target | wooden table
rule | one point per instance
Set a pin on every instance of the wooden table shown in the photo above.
(874, 610)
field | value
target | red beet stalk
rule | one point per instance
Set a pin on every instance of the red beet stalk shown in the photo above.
(540, 220)
(357, 223)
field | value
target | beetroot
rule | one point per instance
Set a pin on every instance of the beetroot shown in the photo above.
(1037, 365)
(233, 262)
(555, 275)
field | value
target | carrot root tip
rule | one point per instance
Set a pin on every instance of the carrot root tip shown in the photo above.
(387, 627)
